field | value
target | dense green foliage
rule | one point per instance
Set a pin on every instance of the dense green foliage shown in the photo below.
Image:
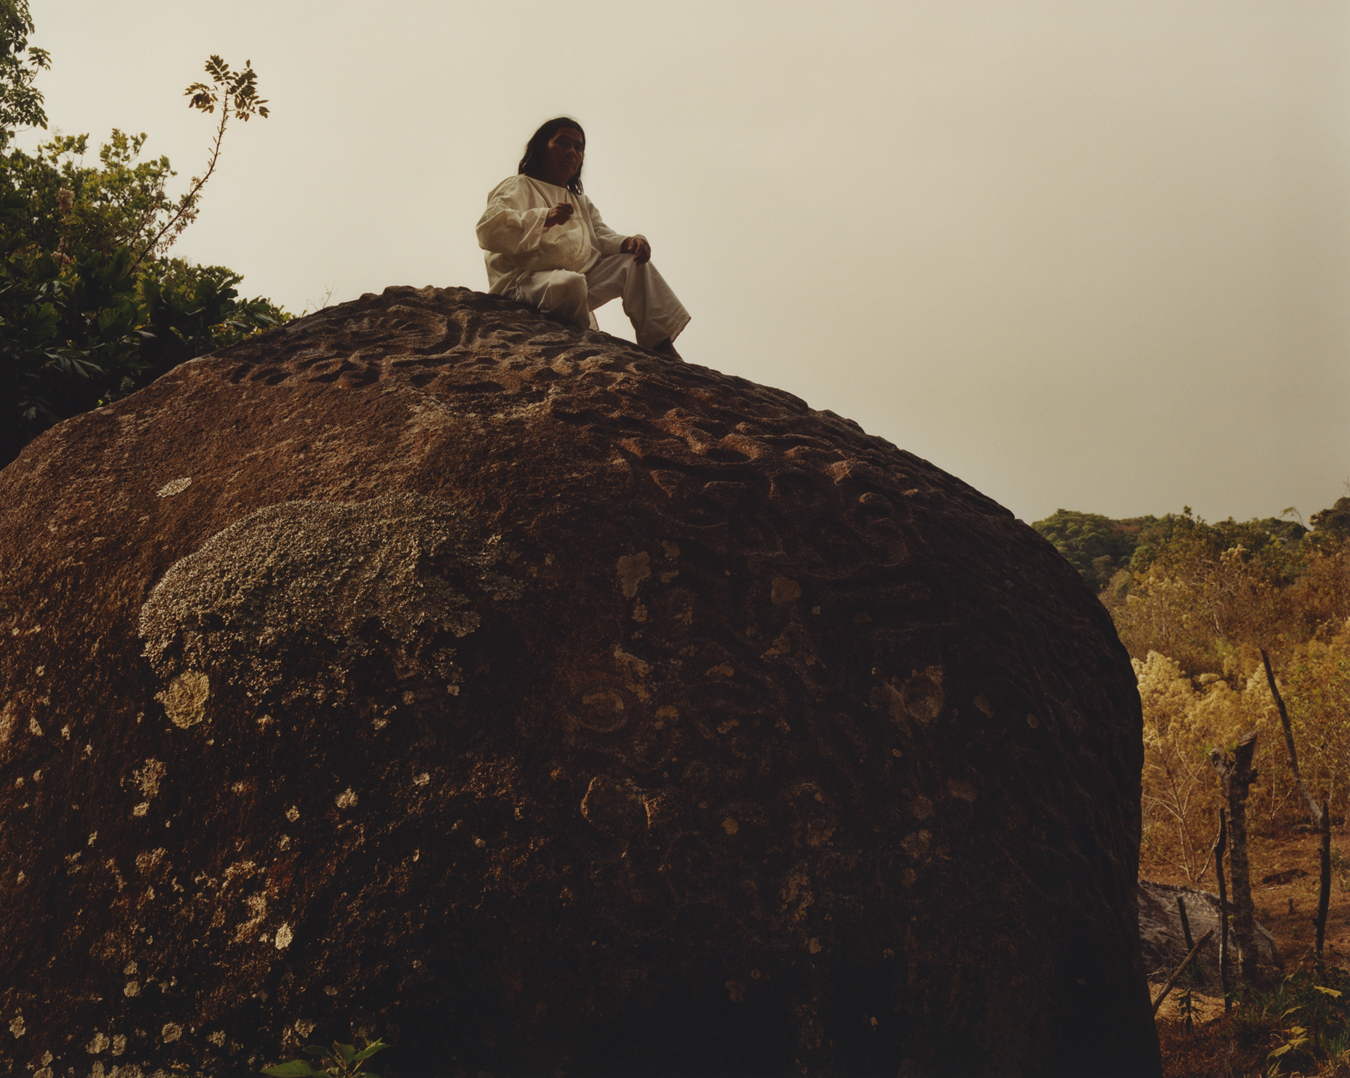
(20, 100)
(91, 306)
(1334, 521)
(1096, 546)
(1100, 548)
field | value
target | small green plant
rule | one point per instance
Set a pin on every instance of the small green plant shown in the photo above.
(1296, 1042)
(1307, 1021)
(1186, 1008)
(340, 1061)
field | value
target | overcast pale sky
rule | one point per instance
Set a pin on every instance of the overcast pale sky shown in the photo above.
(1081, 253)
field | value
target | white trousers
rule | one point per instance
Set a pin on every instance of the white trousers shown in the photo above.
(647, 300)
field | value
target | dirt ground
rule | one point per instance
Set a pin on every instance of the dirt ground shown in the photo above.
(1284, 872)
(1286, 910)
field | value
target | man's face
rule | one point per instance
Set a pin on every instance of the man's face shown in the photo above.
(563, 156)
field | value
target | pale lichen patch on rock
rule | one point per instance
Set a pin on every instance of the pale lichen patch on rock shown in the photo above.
(919, 697)
(633, 670)
(185, 699)
(294, 597)
(174, 486)
(148, 777)
(633, 569)
(257, 905)
(797, 896)
(9, 715)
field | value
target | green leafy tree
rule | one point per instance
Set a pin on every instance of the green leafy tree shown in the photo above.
(1096, 546)
(91, 306)
(234, 93)
(20, 100)
(1333, 523)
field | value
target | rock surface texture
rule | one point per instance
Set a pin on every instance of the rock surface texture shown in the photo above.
(1164, 940)
(430, 670)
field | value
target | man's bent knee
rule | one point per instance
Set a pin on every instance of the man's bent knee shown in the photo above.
(565, 295)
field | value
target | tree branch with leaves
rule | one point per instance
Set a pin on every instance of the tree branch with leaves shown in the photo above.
(20, 100)
(234, 93)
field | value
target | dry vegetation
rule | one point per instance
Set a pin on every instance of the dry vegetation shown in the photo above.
(1196, 604)
(1239, 1042)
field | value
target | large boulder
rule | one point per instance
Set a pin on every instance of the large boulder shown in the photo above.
(1163, 938)
(425, 669)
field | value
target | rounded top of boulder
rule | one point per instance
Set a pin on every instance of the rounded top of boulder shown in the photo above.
(453, 666)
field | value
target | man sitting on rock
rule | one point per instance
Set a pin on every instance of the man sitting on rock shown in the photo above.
(547, 246)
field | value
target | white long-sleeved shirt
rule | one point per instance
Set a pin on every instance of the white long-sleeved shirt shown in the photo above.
(512, 232)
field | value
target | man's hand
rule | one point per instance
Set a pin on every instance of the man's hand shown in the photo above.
(638, 247)
(559, 215)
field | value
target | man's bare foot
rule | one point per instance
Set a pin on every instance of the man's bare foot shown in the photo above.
(667, 348)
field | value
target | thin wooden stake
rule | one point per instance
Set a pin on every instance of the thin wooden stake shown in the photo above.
(1313, 810)
(1219, 845)
(1186, 931)
(1324, 893)
(1180, 970)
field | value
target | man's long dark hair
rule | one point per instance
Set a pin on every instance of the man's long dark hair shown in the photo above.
(533, 162)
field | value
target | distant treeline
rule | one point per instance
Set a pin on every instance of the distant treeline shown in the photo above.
(1100, 548)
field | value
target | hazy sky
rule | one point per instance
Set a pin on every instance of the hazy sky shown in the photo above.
(1090, 253)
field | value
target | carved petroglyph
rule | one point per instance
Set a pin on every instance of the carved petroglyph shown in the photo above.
(613, 808)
